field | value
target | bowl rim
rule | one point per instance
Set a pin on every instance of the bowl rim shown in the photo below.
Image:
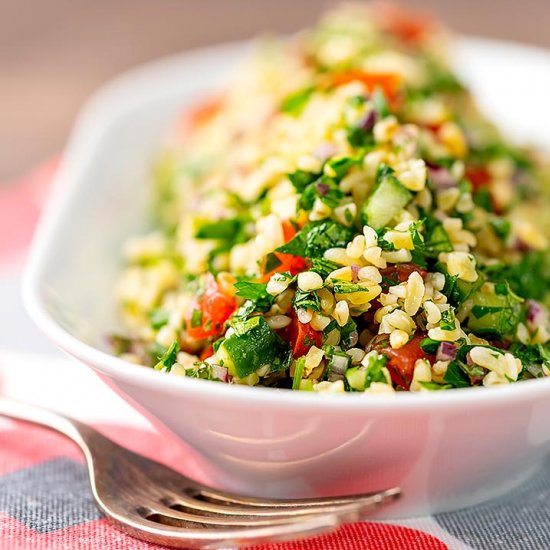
(112, 100)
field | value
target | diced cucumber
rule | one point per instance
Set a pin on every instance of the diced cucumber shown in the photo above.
(495, 312)
(372, 369)
(387, 199)
(306, 385)
(252, 346)
(357, 378)
(465, 289)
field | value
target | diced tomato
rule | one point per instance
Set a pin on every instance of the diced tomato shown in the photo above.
(206, 353)
(288, 230)
(478, 176)
(410, 28)
(388, 82)
(400, 273)
(202, 112)
(300, 336)
(401, 361)
(481, 180)
(208, 312)
(288, 262)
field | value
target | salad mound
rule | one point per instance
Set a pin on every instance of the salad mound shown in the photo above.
(341, 218)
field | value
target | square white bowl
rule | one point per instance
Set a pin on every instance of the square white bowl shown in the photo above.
(445, 449)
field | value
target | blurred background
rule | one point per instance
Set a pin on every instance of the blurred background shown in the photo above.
(55, 53)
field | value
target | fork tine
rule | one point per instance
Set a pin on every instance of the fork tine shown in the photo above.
(221, 497)
(205, 539)
(237, 506)
(183, 516)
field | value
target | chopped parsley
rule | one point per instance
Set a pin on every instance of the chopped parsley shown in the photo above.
(294, 103)
(255, 293)
(317, 237)
(196, 318)
(170, 356)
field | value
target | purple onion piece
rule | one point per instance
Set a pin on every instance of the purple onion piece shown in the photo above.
(322, 189)
(446, 351)
(220, 373)
(367, 122)
(441, 177)
(338, 368)
(325, 151)
(469, 360)
(519, 246)
(535, 313)
(355, 272)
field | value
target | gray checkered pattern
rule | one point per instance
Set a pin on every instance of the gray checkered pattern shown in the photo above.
(48, 496)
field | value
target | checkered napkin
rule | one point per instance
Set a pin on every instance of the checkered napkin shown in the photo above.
(45, 502)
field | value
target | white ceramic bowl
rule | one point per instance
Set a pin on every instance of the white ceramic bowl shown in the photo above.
(445, 449)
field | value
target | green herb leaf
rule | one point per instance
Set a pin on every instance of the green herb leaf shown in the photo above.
(380, 103)
(222, 229)
(338, 167)
(158, 318)
(323, 267)
(295, 102)
(455, 376)
(301, 179)
(168, 359)
(306, 300)
(529, 278)
(196, 318)
(448, 321)
(298, 372)
(345, 287)
(256, 293)
(272, 262)
(324, 189)
(429, 346)
(317, 237)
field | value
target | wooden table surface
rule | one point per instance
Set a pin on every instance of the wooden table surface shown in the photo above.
(54, 53)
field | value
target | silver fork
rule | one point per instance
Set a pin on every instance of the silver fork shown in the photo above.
(151, 502)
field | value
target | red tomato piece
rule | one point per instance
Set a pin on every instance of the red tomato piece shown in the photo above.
(300, 336)
(206, 353)
(201, 113)
(401, 361)
(478, 176)
(388, 82)
(400, 273)
(288, 262)
(208, 312)
(411, 28)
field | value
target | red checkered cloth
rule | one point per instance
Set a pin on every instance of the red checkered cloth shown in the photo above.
(45, 502)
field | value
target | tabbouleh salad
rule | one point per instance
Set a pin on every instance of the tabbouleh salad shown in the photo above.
(342, 218)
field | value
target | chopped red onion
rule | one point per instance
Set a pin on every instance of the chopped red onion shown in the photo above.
(325, 151)
(446, 351)
(355, 272)
(322, 189)
(220, 373)
(338, 367)
(469, 360)
(441, 177)
(367, 122)
(535, 313)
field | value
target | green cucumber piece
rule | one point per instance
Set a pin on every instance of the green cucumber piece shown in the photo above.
(357, 378)
(253, 345)
(387, 199)
(493, 312)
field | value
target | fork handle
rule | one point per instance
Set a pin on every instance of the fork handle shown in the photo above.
(73, 429)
